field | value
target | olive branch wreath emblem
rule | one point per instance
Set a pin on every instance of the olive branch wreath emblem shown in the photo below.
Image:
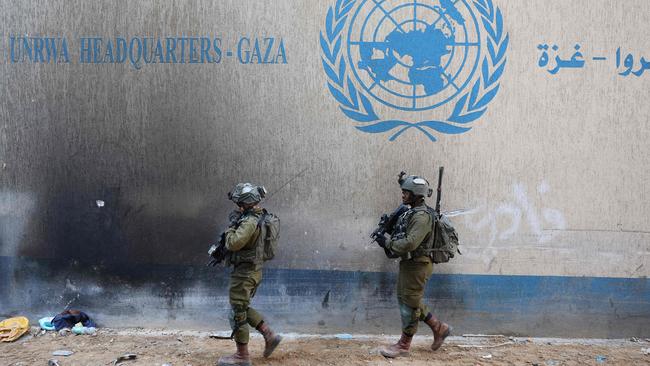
(469, 107)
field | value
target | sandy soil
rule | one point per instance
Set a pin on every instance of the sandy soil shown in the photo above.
(181, 348)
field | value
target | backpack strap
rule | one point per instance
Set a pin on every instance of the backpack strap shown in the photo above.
(262, 218)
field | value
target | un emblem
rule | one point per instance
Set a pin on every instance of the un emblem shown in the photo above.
(408, 58)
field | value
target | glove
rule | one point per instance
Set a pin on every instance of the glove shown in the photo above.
(381, 240)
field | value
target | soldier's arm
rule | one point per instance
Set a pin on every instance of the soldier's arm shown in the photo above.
(417, 229)
(233, 217)
(237, 238)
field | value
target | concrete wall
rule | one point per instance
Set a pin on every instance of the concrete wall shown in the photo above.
(553, 178)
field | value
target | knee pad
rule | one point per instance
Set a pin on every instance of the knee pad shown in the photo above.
(237, 317)
(408, 315)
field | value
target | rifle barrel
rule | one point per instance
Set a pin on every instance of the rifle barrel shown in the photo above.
(439, 190)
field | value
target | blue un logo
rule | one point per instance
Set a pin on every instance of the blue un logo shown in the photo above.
(412, 57)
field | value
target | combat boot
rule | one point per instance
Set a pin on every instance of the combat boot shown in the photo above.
(271, 340)
(401, 348)
(239, 358)
(440, 331)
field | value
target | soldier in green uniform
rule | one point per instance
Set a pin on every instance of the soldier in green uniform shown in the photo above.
(412, 240)
(245, 240)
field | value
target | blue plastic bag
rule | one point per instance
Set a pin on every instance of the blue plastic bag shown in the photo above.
(46, 323)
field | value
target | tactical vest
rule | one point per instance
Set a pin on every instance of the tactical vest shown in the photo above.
(252, 252)
(425, 249)
(263, 244)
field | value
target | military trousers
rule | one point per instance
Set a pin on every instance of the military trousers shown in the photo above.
(411, 283)
(244, 281)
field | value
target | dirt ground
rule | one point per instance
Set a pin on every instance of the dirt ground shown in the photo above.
(181, 348)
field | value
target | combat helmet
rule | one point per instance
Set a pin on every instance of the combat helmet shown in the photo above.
(415, 184)
(246, 193)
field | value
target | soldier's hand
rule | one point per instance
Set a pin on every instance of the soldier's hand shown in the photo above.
(228, 231)
(381, 240)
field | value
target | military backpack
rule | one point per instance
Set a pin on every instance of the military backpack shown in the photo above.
(445, 242)
(442, 245)
(269, 225)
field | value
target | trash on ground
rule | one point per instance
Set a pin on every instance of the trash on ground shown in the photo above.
(646, 351)
(62, 352)
(84, 330)
(484, 335)
(35, 331)
(484, 346)
(601, 359)
(343, 336)
(552, 363)
(487, 357)
(13, 328)
(53, 362)
(69, 318)
(221, 335)
(46, 323)
(125, 357)
(64, 332)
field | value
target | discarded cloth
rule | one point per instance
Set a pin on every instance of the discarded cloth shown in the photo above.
(69, 318)
(12, 328)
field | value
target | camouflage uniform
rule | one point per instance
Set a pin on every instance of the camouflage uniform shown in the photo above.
(245, 242)
(246, 274)
(410, 240)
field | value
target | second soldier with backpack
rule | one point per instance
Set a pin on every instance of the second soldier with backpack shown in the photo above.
(412, 239)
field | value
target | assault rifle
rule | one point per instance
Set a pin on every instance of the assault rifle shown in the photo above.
(218, 252)
(387, 226)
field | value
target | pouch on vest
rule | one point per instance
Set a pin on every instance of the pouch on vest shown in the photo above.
(445, 243)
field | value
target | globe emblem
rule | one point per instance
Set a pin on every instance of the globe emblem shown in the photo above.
(413, 55)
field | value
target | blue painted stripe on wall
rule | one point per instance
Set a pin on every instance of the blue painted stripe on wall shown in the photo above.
(365, 301)
(496, 294)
